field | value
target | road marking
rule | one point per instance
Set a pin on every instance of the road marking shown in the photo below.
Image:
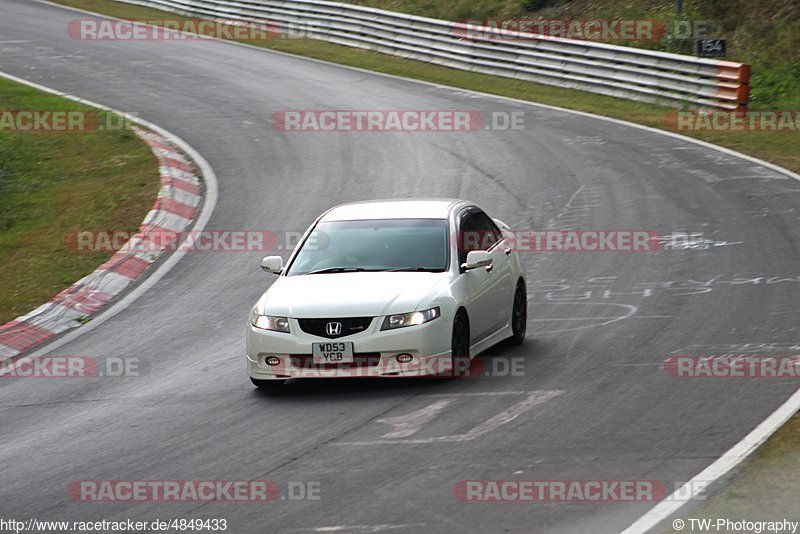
(477, 394)
(601, 317)
(366, 528)
(405, 425)
(631, 313)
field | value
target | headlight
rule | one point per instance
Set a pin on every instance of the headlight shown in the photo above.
(269, 322)
(401, 320)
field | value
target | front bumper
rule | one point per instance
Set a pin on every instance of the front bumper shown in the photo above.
(374, 350)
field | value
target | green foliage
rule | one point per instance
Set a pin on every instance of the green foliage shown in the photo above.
(778, 89)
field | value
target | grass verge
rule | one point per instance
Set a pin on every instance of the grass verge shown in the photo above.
(782, 148)
(53, 183)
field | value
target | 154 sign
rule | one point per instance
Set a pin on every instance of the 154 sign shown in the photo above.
(710, 47)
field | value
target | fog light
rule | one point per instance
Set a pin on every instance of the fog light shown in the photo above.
(404, 358)
(273, 360)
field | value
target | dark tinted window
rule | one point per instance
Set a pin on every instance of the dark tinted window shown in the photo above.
(492, 233)
(478, 232)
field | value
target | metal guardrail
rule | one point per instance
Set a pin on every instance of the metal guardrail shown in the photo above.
(633, 73)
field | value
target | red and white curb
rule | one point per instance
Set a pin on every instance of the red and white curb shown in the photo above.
(174, 210)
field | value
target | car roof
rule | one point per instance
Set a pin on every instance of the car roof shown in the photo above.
(402, 208)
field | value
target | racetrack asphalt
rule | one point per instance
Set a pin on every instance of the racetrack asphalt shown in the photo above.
(601, 324)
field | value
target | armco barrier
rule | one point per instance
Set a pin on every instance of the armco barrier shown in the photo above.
(621, 71)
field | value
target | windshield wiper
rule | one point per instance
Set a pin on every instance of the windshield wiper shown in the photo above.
(337, 270)
(364, 269)
(412, 269)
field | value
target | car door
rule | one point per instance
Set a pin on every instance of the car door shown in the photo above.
(503, 282)
(481, 298)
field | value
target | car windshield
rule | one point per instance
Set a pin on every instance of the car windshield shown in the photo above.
(374, 245)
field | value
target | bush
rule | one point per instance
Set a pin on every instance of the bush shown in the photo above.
(535, 5)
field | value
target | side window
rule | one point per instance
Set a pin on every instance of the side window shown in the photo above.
(477, 232)
(487, 231)
(466, 237)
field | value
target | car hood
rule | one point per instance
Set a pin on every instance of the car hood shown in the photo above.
(350, 294)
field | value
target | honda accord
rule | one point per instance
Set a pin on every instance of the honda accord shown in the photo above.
(410, 287)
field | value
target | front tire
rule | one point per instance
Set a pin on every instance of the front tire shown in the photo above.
(267, 385)
(519, 315)
(459, 347)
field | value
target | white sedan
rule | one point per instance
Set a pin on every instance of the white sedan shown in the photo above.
(388, 288)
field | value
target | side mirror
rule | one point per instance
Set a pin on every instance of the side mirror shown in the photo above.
(478, 258)
(272, 264)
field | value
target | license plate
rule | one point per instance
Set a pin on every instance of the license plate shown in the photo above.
(333, 352)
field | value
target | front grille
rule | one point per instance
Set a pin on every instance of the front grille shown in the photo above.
(365, 359)
(349, 326)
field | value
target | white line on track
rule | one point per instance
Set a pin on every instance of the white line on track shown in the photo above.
(477, 394)
(408, 424)
(367, 528)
